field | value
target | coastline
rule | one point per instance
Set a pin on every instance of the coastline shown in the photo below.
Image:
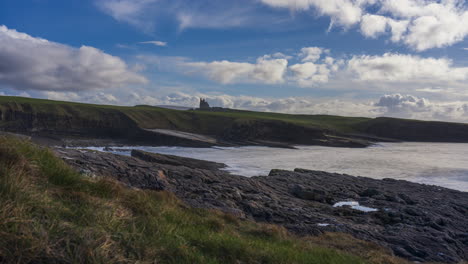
(418, 222)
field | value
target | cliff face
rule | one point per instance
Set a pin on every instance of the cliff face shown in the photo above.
(24, 118)
(412, 130)
(272, 131)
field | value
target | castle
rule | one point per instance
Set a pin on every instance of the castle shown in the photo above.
(204, 104)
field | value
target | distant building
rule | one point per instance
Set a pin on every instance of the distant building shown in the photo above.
(204, 104)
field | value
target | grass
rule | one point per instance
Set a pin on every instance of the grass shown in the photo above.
(51, 214)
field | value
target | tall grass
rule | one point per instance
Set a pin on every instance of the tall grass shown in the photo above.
(51, 214)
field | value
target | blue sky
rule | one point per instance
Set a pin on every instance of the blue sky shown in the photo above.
(404, 58)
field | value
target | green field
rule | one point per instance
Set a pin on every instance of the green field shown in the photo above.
(51, 214)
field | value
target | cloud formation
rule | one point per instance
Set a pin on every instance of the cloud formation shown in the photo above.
(419, 24)
(408, 106)
(392, 67)
(155, 42)
(265, 70)
(314, 67)
(129, 11)
(29, 63)
(269, 69)
(342, 12)
(145, 14)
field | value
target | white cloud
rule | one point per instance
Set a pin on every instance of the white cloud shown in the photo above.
(424, 25)
(311, 54)
(314, 69)
(129, 11)
(419, 24)
(29, 63)
(155, 42)
(397, 28)
(392, 67)
(408, 106)
(309, 74)
(373, 25)
(145, 14)
(213, 14)
(87, 97)
(277, 55)
(398, 101)
(342, 12)
(269, 71)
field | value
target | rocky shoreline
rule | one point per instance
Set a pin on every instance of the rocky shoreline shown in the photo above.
(418, 222)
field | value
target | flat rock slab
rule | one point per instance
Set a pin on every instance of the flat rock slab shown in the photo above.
(185, 135)
(177, 161)
(418, 222)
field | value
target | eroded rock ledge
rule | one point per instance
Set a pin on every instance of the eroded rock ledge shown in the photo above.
(418, 222)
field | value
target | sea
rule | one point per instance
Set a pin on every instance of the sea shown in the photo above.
(441, 164)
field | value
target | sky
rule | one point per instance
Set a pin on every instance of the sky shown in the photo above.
(399, 58)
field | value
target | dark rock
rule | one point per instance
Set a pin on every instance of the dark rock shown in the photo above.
(418, 222)
(176, 161)
(310, 194)
(370, 192)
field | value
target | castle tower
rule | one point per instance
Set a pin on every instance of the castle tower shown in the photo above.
(204, 104)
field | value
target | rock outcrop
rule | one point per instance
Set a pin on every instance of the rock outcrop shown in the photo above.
(418, 222)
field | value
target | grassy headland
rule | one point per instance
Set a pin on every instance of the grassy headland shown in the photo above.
(149, 117)
(46, 117)
(51, 214)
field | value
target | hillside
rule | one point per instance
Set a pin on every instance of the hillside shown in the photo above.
(132, 124)
(51, 214)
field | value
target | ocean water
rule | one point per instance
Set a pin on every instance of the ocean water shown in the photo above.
(439, 164)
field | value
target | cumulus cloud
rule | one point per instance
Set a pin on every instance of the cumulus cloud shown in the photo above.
(373, 25)
(419, 24)
(308, 74)
(311, 54)
(269, 69)
(265, 70)
(408, 106)
(29, 63)
(314, 67)
(396, 102)
(392, 67)
(342, 12)
(433, 24)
